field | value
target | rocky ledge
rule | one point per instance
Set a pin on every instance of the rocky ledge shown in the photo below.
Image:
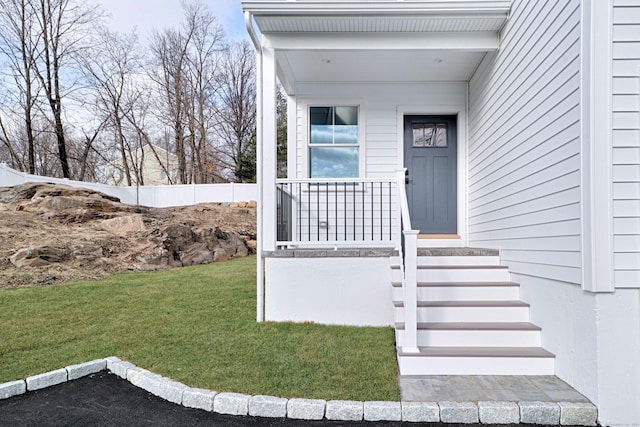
(53, 233)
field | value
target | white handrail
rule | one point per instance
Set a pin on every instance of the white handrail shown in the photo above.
(409, 273)
(331, 180)
(404, 203)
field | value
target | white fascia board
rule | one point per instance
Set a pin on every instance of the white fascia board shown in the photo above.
(470, 42)
(360, 8)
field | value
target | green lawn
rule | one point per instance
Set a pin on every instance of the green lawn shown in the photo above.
(195, 325)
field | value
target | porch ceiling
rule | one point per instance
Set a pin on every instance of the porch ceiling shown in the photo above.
(377, 66)
(377, 40)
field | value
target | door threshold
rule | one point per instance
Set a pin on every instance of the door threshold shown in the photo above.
(438, 236)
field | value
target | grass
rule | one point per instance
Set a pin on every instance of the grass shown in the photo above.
(195, 325)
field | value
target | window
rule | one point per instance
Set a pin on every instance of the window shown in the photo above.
(334, 150)
(428, 135)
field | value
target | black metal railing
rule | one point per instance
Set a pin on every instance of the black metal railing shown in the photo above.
(284, 203)
(362, 210)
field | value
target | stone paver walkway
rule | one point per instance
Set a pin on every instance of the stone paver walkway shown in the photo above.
(474, 388)
(544, 400)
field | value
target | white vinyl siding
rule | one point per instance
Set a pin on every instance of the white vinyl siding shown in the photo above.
(626, 142)
(378, 107)
(524, 143)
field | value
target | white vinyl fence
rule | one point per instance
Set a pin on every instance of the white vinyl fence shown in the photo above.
(158, 196)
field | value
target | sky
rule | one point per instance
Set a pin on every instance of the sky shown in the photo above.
(145, 15)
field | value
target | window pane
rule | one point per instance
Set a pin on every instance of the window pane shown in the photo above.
(441, 136)
(428, 135)
(334, 162)
(345, 135)
(418, 135)
(333, 125)
(346, 116)
(321, 115)
(321, 134)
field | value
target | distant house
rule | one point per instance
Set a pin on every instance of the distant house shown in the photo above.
(155, 165)
(467, 171)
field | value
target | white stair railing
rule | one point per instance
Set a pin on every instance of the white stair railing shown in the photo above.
(409, 258)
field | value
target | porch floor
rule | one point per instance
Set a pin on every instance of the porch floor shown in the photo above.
(475, 388)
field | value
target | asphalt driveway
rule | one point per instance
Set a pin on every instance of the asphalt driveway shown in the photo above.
(103, 399)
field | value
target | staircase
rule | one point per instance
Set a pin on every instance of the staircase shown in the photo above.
(470, 318)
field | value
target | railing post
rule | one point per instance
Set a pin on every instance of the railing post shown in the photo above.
(410, 344)
(401, 197)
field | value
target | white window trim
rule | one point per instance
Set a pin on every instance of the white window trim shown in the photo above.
(304, 137)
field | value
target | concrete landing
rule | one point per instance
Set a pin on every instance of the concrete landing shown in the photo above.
(489, 399)
(475, 388)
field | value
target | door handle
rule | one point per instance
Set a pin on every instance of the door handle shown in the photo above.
(406, 177)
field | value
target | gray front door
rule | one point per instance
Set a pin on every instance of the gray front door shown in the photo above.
(430, 147)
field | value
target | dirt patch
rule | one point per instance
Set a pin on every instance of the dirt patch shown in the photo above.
(51, 234)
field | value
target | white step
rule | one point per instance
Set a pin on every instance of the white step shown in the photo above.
(452, 260)
(458, 260)
(513, 334)
(467, 291)
(467, 311)
(477, 361)
(456, 274)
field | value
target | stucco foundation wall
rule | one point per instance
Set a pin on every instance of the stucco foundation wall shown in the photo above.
(338, 291)
(595, 339)
(619, 357)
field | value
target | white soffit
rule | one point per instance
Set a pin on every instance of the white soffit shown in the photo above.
(376, 24)
(304, 16)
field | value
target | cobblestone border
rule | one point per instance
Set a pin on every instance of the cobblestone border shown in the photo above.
(540, 413)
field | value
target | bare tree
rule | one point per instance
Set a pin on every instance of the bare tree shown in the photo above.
(184, 70)
(236, 111)
(6, 137)
(62, 26)
(111, 71)
(18, 43)
(196, 87)
(202, 59)
(169, 50)
(41, 39)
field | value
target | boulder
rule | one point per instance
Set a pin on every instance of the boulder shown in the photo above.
(123, 224)
(68, 203)
(87, 252)
(38, 256)
(180, 245)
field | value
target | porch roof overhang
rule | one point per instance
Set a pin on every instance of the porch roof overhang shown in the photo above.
(376, 41)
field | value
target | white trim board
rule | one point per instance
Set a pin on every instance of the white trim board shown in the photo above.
(596, 150)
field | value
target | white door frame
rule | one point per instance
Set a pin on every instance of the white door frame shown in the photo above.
(461, 112)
